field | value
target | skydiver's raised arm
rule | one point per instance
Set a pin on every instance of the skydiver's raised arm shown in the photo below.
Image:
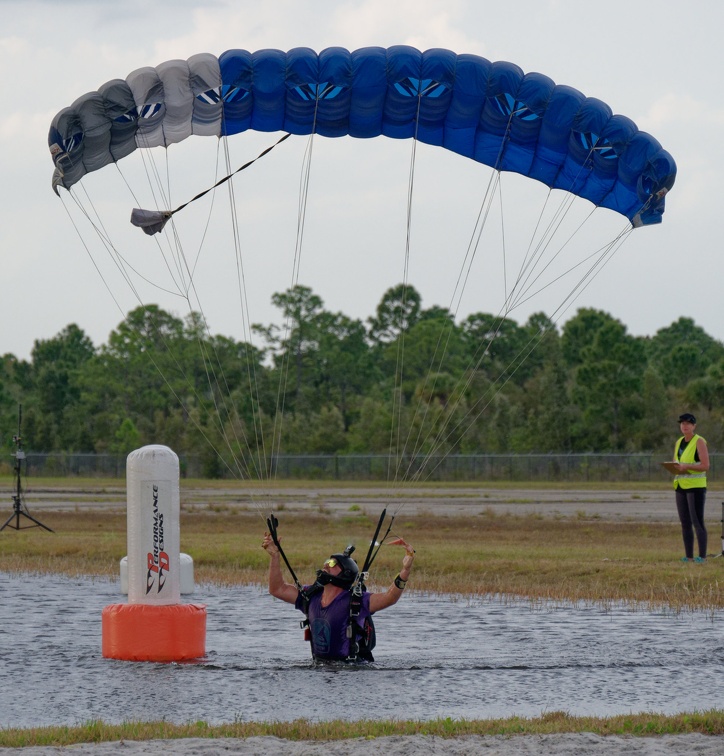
(277, 586)
(379, 601)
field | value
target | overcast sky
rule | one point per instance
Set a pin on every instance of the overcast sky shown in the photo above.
(659, 64)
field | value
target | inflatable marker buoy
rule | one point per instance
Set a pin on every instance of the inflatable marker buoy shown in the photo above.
(147, 632)
(153, 625)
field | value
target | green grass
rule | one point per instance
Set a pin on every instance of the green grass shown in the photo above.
(708, 723)
(574, 559)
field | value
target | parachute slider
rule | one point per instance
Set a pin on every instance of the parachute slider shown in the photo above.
(151, 221)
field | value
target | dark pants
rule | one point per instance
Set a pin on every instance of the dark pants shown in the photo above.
(690, 505)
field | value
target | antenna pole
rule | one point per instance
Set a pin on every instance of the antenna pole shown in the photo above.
(19, 507)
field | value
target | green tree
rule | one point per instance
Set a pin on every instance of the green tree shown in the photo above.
(501, 348)
(344, 367)
(607, 385)
(549, 415)
(708, 390)
(56, 365)
(682, 352)
(13, 386)
(654, 429)
(126, 438)
(579, 332)
(300, 307)
(397, 312)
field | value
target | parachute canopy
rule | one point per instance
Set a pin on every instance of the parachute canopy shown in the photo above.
(493, 113)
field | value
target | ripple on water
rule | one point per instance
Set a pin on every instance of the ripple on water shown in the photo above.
(474, 659)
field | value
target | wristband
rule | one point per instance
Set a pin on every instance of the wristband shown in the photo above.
(400, 583)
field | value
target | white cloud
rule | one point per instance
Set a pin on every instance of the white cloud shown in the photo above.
(683, 109)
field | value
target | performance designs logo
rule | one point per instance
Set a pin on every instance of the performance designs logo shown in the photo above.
(158, 561)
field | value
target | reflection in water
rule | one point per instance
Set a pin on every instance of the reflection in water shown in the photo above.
(442, 656)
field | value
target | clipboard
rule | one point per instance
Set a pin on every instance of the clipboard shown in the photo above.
(672, 467)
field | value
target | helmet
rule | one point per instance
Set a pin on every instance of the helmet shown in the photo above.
(349, 572)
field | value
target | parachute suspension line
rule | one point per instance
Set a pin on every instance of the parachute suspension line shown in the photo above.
(181, 402)
(227, 418)
(118, 260)
(481, 405)
(397, 395)
(253, 384)
(155, 185)
(88, 252)
(519, 359)
(523, 294)
(532, 344)
(604, 256)
(208, 216)
(502, 240)
(127, 264)
(304, 180)
(185, 283)
(232, 414)
(442, 348)
(516, 297)
(454, 306)
(512, 300)
(231, 427)
(122, 265)
(531, 261)
(481, 220)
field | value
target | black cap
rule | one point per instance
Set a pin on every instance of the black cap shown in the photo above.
(687, 417)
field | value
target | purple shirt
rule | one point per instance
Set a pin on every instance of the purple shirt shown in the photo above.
(328, 624)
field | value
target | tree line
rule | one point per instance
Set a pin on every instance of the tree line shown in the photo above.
(406, 380)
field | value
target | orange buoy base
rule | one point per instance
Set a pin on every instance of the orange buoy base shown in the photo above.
(148, 632)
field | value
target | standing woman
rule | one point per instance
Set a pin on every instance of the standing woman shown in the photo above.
(692, 455)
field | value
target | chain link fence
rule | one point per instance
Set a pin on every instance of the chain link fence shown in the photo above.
(568, 468)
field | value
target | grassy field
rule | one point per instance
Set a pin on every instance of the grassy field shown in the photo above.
(648, 725)
(530, 556)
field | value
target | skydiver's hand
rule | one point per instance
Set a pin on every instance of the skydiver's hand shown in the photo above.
(409, 553)
(268, 545)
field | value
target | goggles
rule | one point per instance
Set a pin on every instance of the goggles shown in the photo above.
(331, 563)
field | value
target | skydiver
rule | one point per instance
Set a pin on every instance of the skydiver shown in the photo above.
(332, 605)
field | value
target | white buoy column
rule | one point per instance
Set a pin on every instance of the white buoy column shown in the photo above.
(154, 530)
(154, 625)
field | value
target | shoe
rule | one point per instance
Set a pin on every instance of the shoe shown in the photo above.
(685, 559)
(700, 560)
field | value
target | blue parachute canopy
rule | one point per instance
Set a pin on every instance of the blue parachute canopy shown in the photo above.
(492, 113)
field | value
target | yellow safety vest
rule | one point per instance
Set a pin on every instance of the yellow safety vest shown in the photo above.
(688, 457)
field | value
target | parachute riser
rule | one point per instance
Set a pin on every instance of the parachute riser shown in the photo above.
(371, 553)
(272, 524)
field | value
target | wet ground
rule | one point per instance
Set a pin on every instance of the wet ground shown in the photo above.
(436, 657)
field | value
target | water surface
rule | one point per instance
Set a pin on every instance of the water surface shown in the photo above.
(437, 656)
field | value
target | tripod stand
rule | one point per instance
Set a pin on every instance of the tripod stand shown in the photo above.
(19, 508)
